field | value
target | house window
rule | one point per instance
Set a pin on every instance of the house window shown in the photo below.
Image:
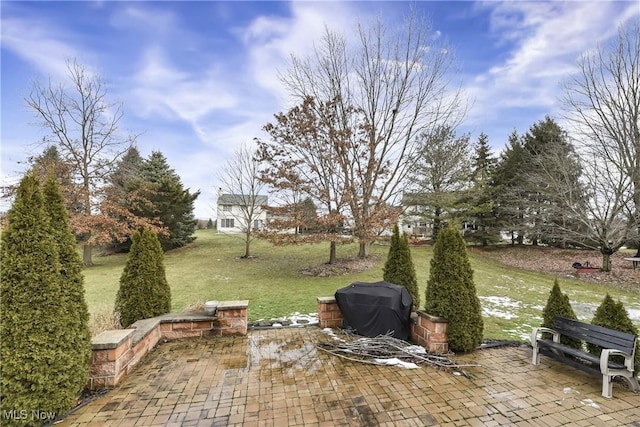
(227, 223)
(226, 208)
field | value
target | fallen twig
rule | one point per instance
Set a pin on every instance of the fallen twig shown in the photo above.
(381, 349)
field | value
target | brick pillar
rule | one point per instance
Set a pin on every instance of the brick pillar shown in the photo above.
(329, 314)
(111, 354)
(232, 318)
(430, 332)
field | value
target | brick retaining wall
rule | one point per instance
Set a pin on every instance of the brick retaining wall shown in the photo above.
(116, 352)
(426, 330)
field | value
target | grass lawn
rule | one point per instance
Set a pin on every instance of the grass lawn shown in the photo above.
(211, 269)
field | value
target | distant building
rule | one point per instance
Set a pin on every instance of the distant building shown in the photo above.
(233, 212)
(413, 221)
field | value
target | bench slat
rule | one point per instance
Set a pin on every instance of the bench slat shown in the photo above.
(571, 362)
(594, 359)
(594, 334)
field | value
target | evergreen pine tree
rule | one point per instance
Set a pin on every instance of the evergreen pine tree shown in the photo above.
(558, 305)
(611, 314)
(509, 193)
(33, 319)
(144, 291)
(479, 200)
(77, 342)
(170, 202)
(399, 268)
(451, 292)
(549, 157)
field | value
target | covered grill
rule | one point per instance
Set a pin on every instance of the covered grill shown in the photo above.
(373, 309)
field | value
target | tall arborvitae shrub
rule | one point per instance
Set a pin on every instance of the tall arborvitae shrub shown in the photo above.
(451, 292)
(35, 376)
(76, 347)
(611, 314)
(558, 305)
(399, 268)
(144, 291)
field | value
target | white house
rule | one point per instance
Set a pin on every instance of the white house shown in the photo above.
(235, 210)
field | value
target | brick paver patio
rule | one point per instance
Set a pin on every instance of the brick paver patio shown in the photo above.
(276, 377)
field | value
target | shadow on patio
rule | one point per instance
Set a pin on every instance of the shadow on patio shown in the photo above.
(276, 377)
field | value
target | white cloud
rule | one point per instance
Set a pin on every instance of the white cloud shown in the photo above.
(34, 43)
(161, 88)
(547, 38)
(272, 40)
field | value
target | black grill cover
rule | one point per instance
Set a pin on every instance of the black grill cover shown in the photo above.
(373, 309)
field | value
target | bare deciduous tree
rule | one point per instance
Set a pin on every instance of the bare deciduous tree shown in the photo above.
(389, 88)
(83, 126)
(595, 212)
(603, 102)
(303, 160)
(240, 179)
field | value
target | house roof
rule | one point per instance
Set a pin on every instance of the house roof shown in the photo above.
(242, 200)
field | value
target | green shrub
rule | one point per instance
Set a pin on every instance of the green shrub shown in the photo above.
(612, 315)
(36, 375)
(77, 343)
(144, 291)
(451, 292)
(558, 305)
(399, 268)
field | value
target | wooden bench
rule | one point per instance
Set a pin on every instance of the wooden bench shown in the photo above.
(635, 261)
(614, 343)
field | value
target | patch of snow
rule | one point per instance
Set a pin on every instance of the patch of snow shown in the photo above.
(589, 402)
(297, 319)
(634, 314)
(502, 301)
(497, 313)
(332, 334)
(415, 349)
(396, 362)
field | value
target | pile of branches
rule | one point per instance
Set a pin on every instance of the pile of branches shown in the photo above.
(386, 350)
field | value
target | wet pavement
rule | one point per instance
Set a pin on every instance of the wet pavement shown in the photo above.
(277, 377)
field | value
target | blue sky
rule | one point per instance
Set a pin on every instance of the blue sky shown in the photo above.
(197, 79)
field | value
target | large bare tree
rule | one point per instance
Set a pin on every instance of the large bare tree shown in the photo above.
(594, 213)
(240, 180)
(389, 87)
(302, 161)
(603, 102)
(84, 127)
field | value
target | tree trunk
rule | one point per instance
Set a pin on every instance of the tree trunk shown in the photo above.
(332, 253)
(437, 224)
(247, 245)
(86, 255)
(606, 261)
(363, 252)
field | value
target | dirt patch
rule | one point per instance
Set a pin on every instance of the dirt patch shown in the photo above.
(560, 261)
(341, 267)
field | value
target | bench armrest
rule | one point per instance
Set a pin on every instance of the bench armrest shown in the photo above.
(539, 330)
(608, 352)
